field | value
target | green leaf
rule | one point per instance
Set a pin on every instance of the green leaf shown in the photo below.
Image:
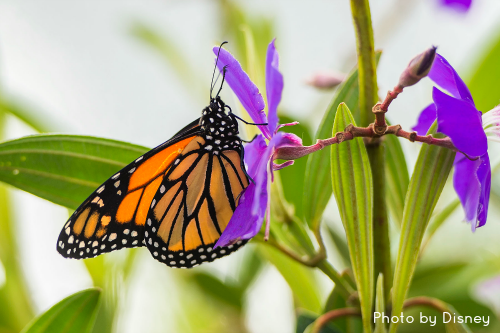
(431, 172)
(439, 219)
(380, 305)
(300, 279)
(74, 314)
(486, 78)
(317, 192)
(352, 187)
(452, 283)
(336, 301)
(15, 301)
(64, 169)
(218, 290)
(38, 120)
(397, 177)
(250, 268)
(341, 245)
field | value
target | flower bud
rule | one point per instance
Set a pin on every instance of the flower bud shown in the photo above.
(325, 79)
(418, 68)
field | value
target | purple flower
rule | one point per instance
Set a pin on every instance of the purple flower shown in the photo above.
(458, 5)
(262, 151)
(488, 293)
(469, 130)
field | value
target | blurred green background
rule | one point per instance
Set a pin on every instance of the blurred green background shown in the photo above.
(138, 71)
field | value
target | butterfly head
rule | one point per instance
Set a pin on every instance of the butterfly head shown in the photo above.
(217, 122)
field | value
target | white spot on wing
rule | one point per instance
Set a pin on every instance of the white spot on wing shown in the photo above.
(112, 237)
(117, 183)
(100, 189)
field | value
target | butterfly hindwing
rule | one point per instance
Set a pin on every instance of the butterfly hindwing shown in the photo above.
(194, 204)
(114, 216)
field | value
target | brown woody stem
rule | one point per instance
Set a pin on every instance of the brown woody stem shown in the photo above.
(391, 95)
(372, 131)
(334, 314)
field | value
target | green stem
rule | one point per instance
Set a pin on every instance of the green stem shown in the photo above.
(381, 241)
(340, 284)
(366, 59)
(367, 99)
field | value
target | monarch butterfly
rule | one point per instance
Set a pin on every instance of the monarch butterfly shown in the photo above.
(176, 199)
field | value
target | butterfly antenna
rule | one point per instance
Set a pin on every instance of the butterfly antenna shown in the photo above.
(215, 67)
(224, 69)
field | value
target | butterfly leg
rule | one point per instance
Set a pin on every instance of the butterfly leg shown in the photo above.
(246, 141)
(241, 119)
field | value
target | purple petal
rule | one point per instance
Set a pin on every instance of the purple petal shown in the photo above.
(279, 140)
(425, 120)
(472, 181)
(246, 91)
(277, 166)
(484, 176)
(253, 153)
(488, 292)
(274, 86)
(459, 5)
(460, 121)
(244, 224)
(447, 78)
(289, 140)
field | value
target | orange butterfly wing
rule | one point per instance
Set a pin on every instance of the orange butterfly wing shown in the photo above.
(194, 204)
(114, 216)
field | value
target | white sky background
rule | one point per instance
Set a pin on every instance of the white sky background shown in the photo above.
(77, 61)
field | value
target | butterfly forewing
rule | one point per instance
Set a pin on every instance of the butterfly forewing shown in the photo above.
(194, 204)
(113, 217)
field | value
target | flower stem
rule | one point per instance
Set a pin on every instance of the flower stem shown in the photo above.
(426, 301)
(366, 59)
(381, 241)
(367, 98)
(342, 286)
(332, 315)
(351, 132)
